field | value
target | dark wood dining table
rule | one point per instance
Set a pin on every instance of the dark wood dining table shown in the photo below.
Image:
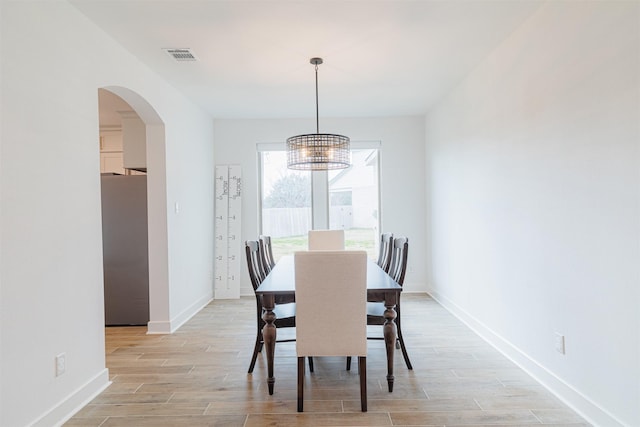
(281, 281)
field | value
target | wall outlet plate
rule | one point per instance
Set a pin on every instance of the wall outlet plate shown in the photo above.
(61, 364)
(559, 343)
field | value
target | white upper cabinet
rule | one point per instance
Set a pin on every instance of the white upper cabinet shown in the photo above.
(111, 151)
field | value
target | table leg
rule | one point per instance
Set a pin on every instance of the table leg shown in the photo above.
(269, 336)
(390, 334)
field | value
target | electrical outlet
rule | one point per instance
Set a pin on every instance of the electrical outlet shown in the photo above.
(559, 343)
(61, 364)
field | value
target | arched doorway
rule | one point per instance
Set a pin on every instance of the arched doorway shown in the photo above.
(155, 168)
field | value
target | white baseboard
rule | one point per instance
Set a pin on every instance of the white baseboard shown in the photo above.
(573, 398)
(414, 287)
(159, 327)
(66, 409)
(170, 326)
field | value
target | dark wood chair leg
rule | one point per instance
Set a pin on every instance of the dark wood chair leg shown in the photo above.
(300, 382)
(404, 351)
(400, 339)
(256, 349)
(348, 363)
(310, 364)
(362, 370)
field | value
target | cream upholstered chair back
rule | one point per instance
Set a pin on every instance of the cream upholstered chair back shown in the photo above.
(326, 240)
(331, 303)
(331, 310)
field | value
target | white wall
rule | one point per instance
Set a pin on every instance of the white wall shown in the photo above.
(53, 62)
(534, 202)
(402, 169)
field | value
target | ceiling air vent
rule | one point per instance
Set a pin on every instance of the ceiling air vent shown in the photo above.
(181, 55)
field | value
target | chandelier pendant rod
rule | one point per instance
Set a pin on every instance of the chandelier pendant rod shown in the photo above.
(317, 114)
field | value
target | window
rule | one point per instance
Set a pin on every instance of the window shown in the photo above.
(288, 201)
(353, 200)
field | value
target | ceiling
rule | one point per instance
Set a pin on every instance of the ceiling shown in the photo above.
(381, 58)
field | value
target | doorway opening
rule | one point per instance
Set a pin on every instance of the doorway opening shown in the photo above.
(132, 164)
(123, 185)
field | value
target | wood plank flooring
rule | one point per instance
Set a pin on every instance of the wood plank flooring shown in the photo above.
(198, 377)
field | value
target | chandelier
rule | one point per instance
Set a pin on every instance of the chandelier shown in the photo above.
(318, 151)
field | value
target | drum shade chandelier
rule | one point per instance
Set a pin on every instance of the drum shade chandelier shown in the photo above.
(318, 151)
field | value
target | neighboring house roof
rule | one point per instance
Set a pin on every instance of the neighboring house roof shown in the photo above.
(354, 177)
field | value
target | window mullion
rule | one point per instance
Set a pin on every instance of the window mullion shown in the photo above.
(320, 200)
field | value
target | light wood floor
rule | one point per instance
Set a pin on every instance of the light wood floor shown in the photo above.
(198, 377)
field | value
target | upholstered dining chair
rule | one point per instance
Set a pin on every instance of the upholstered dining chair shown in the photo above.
(375, 305)
(326, 240)
(285, 313)
(384, 255)
(331, 295)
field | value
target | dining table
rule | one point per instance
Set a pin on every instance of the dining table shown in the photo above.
(281, 282)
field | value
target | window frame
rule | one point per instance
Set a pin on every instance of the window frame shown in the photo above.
(320, 197)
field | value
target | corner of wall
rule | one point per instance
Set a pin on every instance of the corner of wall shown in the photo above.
(169, 327)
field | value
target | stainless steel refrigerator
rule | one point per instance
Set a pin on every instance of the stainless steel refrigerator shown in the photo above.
(125, 249)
